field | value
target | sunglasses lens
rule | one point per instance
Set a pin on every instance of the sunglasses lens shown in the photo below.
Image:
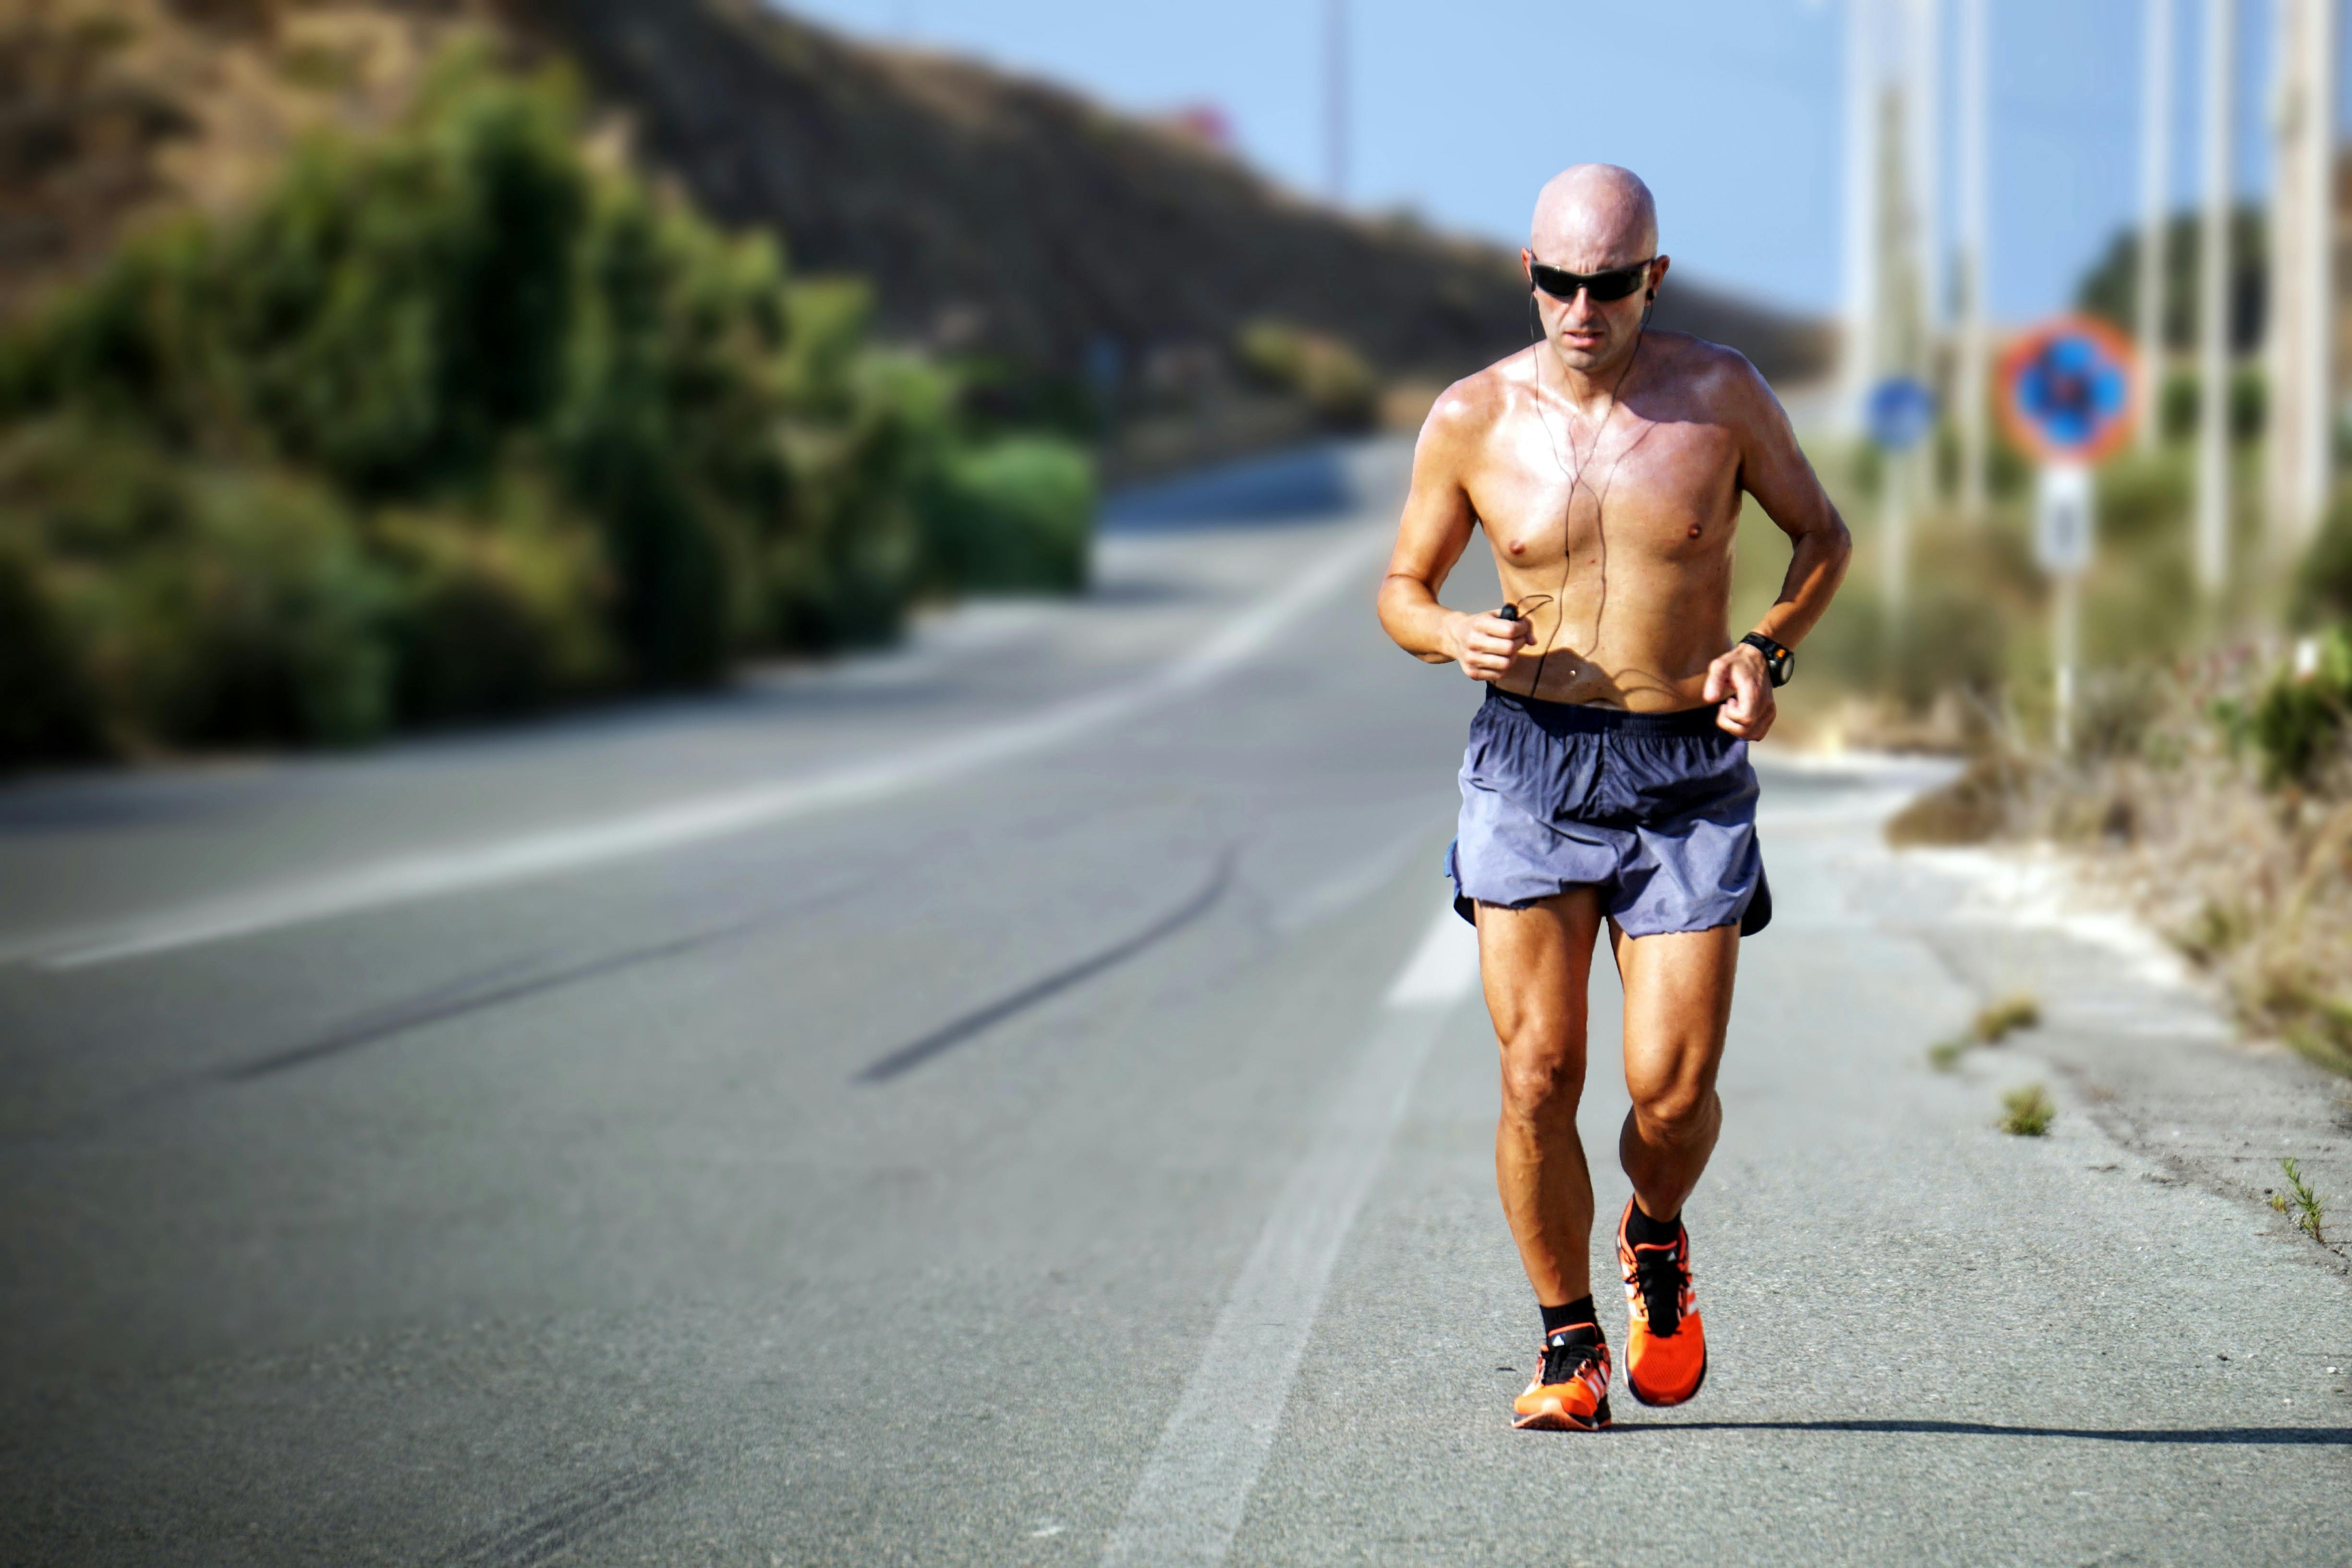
(1558, 284)
(1605, 287)
(1611, 285)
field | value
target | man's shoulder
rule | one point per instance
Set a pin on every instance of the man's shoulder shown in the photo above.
(1719, 381)
(1703, 366)
(1473, 406)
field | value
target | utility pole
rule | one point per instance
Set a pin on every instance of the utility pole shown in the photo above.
(1907, 346)
(1860, 354)
(2301, 349)
(1969, 387)
(2155, 199)
(2212, 518)
(1335, 99)
(2325, 58)
(1923, 95)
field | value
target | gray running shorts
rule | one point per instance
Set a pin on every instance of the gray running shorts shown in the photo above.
(1656, 810)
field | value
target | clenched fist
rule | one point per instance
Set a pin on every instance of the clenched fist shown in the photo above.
(1483, 646)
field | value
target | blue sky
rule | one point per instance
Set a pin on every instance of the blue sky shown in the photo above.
(1732, 110)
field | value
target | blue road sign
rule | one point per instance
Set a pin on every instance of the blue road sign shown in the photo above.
(1900, 413)
(2068, 390)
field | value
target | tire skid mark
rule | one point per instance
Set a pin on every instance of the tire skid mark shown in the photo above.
(956, 1031)
(564, 1521)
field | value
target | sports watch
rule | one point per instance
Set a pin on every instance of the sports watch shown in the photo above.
(1779, 662)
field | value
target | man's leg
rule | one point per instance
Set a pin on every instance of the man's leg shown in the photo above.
(1677, 1006)
(1535, 964)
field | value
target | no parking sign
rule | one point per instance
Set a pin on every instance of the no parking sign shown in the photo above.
(2069, 393)
(2069, 390)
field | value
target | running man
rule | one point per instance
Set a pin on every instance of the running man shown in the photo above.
(1607, 776)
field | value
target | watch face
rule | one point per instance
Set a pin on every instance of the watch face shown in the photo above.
(1779, 662)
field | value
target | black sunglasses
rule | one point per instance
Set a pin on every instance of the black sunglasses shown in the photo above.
(1604, 287)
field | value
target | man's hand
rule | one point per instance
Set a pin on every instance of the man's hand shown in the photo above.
(1483, 646)
(1738, 679)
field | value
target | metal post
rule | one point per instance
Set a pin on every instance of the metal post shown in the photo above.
(2212, 521)
(2310, 400)
(1922, 96)
(1862, 175)
(2286, 332)
(1900, 478)
(2064, 528)
(2301, 347)
(2155, 200)
(1969, 385)
(2064, 632)
(2325, 64)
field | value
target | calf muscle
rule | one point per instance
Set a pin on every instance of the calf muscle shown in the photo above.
(1536, 962)
(1677, 1010)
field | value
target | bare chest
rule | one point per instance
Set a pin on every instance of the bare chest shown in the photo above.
(1663, 490)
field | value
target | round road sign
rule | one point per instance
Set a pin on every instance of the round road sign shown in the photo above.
(2069, 390)
(1901, 411)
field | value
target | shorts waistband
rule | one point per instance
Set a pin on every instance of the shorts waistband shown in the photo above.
(1588, 719)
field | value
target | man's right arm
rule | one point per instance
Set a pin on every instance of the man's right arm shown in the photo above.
(1431, 537)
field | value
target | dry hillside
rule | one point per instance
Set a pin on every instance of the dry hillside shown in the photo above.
(990, 211)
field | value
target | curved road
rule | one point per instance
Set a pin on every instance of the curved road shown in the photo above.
(1021, 1100)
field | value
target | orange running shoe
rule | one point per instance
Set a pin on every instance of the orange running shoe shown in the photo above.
(1666, 1344)
(1570, 1392)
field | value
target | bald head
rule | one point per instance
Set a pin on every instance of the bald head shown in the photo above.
(1593, 216)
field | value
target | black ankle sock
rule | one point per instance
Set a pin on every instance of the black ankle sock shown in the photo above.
(1580, 1310)
(1644, 1231)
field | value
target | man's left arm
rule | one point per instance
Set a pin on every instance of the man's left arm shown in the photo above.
(1773, 469)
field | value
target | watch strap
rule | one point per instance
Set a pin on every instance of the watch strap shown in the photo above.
(1779, 662)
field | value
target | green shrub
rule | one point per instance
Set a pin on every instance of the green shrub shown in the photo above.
(497, 614)
(2250, 400)
(865, 441)
(1333, 379)
(1014, 516)
(452, 422)
(253, 618)
(1951, 637)
(2176, 405)
(2296, 725)
(2142, 496)
(48, 712)
(2181, 398)
(2324, 585)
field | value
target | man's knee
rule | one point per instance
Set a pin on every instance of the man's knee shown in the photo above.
(1542, 1080)
(1676, 1104)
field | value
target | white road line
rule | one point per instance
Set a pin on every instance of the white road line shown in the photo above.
(476, 866)
(1443, 966)
(1188, 1501)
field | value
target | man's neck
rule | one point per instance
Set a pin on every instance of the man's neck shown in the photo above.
(1588, 391)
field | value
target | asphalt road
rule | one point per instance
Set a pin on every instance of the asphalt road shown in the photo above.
(1021, 1100)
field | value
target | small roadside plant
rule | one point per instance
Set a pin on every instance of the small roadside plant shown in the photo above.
(2027, 1112)
(2300, 1203)
(2005, 1017)
(1992, 1025)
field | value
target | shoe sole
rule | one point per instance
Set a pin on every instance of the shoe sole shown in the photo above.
(1635, 1389)
(1558, 1420)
